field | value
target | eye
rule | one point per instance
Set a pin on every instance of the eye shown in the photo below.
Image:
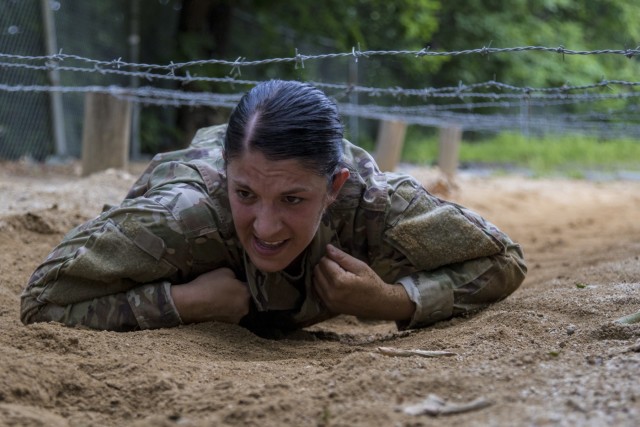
(292, 200)
(243, 194)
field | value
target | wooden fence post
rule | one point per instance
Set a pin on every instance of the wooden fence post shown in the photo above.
(105, 136)
(389, 144)
(448, 150)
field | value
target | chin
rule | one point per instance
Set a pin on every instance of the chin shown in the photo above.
(268, 265)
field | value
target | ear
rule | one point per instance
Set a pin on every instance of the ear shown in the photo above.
(339, 178)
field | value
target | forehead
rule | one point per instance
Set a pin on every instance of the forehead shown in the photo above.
(254, 169)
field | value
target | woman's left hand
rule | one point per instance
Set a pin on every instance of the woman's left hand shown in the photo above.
(347, 285)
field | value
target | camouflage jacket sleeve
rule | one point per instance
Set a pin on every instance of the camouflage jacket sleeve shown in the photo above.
(115, 271)
(450, 260)
(454, 261)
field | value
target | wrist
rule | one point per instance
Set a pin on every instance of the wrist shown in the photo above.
(399, 306)
(389, 302)
(184, 302)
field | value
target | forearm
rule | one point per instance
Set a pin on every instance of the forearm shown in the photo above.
(391, 303)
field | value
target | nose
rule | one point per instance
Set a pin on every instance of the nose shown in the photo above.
(267, 223)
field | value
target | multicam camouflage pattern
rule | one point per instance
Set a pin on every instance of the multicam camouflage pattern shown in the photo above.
(115, 271)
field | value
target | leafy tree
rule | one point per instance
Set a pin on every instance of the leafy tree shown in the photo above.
(597, 24)
(261, 29)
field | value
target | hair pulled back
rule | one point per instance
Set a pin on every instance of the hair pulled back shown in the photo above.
(287, 120)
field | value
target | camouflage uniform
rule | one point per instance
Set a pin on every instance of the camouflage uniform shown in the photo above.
(115, 271)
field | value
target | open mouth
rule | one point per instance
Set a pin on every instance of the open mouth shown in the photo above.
(269, 246)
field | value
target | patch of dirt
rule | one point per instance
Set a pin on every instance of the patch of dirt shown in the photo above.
(548, 355)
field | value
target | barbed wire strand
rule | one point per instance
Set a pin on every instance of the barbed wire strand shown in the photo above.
(461, 89)
(521, 93)
(422, 115)
(299, 58)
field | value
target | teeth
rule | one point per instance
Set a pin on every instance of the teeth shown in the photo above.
(273, 244)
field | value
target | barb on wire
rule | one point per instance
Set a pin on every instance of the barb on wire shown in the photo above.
(358, 53)
(630, 53)
(486, 49)
(235, 70)
(172, 70)
(299, 60)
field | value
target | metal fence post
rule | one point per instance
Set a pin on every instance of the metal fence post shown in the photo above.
(57, 110)
(134, 81)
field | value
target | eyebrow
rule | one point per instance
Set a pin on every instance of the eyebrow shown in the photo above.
(293, 190)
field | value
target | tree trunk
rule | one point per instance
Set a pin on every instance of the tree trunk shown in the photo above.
(203, 32)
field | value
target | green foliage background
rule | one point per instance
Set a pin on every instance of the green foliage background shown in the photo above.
(184, 30)
(259, 29)
(568, 155)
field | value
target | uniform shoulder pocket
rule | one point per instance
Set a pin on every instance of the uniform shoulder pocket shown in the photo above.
(432, 233)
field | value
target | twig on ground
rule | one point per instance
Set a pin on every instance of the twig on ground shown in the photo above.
(434, 405)
(630, 319)
(390, 351)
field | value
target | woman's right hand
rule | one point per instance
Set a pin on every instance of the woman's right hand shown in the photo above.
(215, 295)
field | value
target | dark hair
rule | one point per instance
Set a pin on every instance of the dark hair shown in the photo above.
(287, 120)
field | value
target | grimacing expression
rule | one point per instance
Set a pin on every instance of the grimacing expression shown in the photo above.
(276, 207)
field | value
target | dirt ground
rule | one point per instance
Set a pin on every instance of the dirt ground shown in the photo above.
(551, 354)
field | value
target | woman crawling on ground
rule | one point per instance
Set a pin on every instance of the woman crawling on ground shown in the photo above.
(275, 222)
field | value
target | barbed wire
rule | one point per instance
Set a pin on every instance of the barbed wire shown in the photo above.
(144, 95)
(629, 114)
(200, 98)
(425, 115)
(177, 97)
(481, 122)
(355, 53)
(140, 74)
(446, 107)
(429, 92)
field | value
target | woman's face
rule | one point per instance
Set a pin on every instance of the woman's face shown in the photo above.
(276, 207)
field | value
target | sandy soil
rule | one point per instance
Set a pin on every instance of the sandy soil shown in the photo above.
(550, 354)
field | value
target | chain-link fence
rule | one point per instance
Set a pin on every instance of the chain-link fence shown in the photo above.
(24, 116)
(41, 124)
(53, 53)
